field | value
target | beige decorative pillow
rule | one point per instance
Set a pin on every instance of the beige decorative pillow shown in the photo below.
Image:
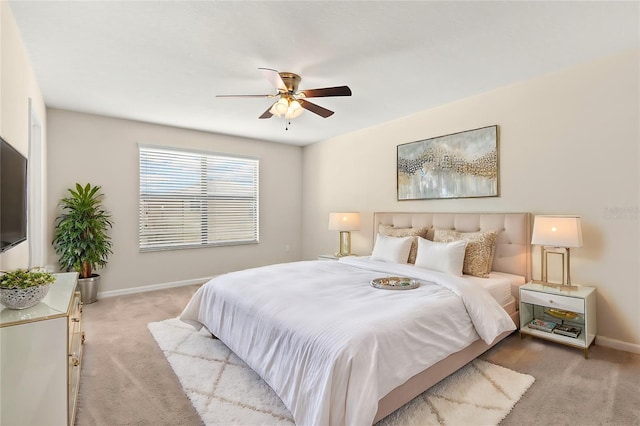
(478, 256)
(391, 231)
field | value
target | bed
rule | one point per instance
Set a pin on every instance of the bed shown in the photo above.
(338, 351)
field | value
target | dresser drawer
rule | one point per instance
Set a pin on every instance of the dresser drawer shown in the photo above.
(567, 303)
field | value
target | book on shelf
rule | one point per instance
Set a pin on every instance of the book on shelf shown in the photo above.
(567, 330)
(538, 324)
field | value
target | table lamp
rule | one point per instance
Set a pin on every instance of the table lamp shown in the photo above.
(345, 223)
(556, 233)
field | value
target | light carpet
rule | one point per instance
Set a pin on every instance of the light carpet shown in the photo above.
(224, 390)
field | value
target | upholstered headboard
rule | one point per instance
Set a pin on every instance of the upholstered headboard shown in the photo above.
(513, 248)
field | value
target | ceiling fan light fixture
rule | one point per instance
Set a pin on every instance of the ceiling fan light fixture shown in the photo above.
(287, 106)
(292, 103)
(295, 109)
(294, 113)
(280, 107)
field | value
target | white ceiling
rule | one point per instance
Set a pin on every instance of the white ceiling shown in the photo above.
(164, 61)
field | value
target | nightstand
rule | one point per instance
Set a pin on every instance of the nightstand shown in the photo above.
(574, 309)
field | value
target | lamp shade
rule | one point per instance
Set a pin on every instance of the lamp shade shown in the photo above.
(344, 221)
(557, 231)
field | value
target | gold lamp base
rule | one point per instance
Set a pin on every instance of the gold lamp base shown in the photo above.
(345, 244)
(566, 284)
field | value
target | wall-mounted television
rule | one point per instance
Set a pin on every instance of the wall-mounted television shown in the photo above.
(13, 196)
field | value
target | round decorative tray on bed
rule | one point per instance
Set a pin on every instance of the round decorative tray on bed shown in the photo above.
(395, 283)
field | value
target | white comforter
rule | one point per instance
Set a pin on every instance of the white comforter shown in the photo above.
(328, 343)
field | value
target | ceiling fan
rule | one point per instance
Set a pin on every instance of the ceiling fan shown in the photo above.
(291, 102)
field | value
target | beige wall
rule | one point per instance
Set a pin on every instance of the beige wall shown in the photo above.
(568, 145)
(17, 86)
(104, 151)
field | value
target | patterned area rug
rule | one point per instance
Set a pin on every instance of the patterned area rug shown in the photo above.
(224, 390)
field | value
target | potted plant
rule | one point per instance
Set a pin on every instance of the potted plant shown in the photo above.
(81, 239)
(21, 288)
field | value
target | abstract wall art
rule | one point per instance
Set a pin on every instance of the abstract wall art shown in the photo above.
(460, 165)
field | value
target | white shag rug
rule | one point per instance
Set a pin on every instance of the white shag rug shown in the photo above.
(224, 390)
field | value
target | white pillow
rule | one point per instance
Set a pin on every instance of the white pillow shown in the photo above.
(442, 257)
(391, 249)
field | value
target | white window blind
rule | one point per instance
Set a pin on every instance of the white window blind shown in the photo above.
(196, 199)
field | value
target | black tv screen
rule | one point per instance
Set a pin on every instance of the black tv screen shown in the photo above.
(13, 196)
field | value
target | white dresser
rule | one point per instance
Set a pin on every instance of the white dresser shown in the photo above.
(40, 357)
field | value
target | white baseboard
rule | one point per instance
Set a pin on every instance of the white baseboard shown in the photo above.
(133, 290)
(618, 344)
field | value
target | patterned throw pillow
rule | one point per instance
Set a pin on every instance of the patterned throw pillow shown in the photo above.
(391, 231)
(481, 246)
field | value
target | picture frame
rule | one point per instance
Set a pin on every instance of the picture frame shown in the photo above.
(458, 165)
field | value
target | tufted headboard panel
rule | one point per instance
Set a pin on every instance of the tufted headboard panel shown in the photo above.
(513, 248)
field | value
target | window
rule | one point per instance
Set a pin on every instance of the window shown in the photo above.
(196, 199)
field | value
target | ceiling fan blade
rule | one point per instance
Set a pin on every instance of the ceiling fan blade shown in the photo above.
(244, 96)
(327, 91)
(317, 109)
(274, 78)
(267, 113)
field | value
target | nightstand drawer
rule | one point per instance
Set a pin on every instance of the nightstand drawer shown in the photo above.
(572, 304)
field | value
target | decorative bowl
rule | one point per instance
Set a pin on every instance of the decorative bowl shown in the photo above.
(395, 283)
(23, 298)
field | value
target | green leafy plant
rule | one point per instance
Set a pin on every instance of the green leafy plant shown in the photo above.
(23, 278)
(81, 239)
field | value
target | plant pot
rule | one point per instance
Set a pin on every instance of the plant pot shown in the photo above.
(23, 298)
(89, 288)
